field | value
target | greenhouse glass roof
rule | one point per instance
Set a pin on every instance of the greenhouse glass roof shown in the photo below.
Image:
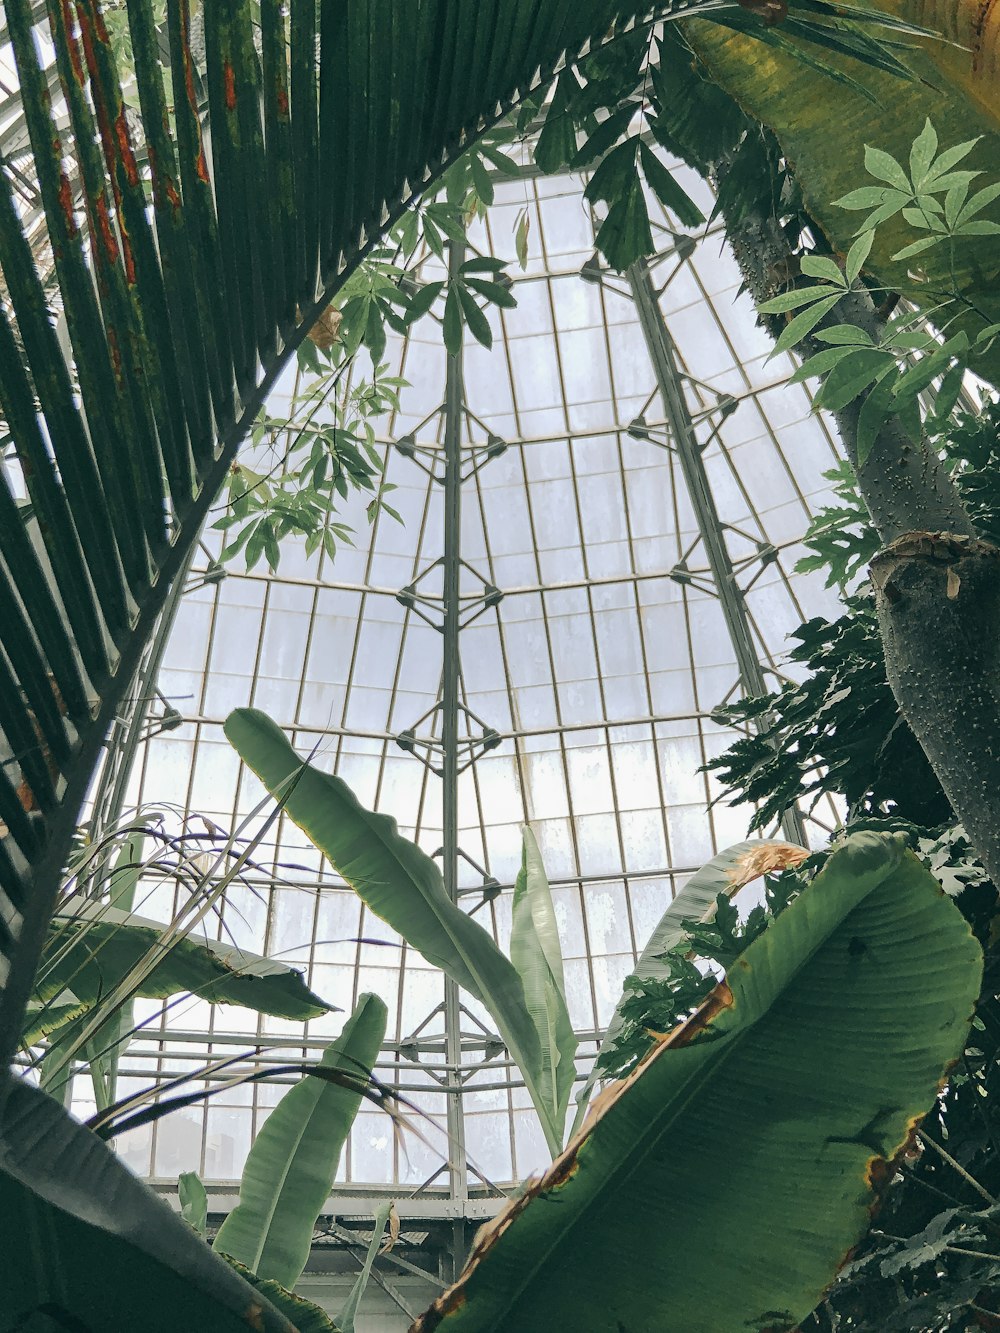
(585, 690)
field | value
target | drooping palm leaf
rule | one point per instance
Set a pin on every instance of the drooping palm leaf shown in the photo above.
(180, 317)
(723, 1183)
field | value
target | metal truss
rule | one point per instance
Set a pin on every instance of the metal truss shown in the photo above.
(688, 432)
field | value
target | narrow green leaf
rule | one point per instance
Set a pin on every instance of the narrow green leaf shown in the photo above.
(453, 320)
(844, 335)
(804, 323)
(779, 305)
(479, 325)
(821, 266)
(624, 235)
(884, 167)
(857, 255)
(556, 142)
(347, 1316)
(918, 247)
(922, 154)
(665, 187)
(293, 1161)
(849, 379)
(606, 134)
(869, 196)
(537, 954)
(820, 363)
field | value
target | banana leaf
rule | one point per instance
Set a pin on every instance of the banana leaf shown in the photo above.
(302, 1314)
(728, 872)
(537, 954)
(823, 127)
(399, 883)
(723, 1184)
(91, 949)
(293, 1161)
(89, 1245)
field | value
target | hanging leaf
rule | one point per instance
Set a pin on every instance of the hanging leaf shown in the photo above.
(348, 1314)
(115, 1256)
(94, 947)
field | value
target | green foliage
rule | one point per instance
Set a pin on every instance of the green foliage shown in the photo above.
(838, 730)
(891, 373)
(96, 1248)
(781, 1184)
(689, 971)
(193, 1200)
(841, 537)
(302, 1315)
(322, 450)
(536, 953)
(349, 1313)
(916, 193)
(402, 885)
(293, 1160)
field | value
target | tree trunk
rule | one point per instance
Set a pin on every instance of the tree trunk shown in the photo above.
(937, 584)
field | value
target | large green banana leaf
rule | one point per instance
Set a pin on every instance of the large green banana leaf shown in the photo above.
(728, 872)
(824, 126)
(536, 953)
(87, 1244)
(90, 950)
(721, 1185)
(291, 1166)
(400, 883)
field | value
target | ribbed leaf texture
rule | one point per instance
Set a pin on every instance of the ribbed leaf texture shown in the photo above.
(180, 317)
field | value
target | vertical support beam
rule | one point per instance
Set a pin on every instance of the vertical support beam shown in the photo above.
(685, 440)
(450, 682)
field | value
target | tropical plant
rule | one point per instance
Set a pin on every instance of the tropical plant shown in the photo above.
(186, 288)
(788, 1089)
(403, 885)
(293, 1160)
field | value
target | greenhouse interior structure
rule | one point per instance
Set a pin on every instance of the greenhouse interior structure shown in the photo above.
(499, 666)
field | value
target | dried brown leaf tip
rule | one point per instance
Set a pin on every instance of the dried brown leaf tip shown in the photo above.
(326, 331)
(766, 859)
